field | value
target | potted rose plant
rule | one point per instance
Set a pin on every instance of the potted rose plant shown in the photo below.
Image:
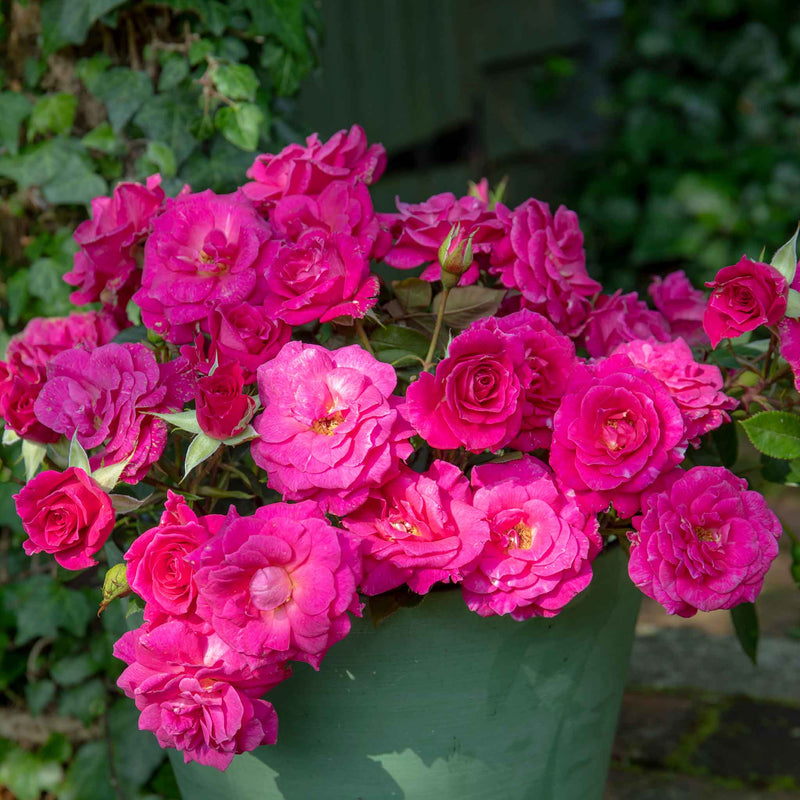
(291, 452)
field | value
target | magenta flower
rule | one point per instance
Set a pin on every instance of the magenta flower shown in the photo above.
(330, 429)
(541, 544)
(223, 410)
(419, 230)
(542, 257)
(106, 266)
(281, 581)
(703, 543)
(475, 399)
(695, 388)
(205, 251)
(418, 529)
(106, 396)
(320, 277)
(744, 296)
(550, 357)
(682, 305)
(616, 431)
(619, 318)
(66, 514)
(346, 156)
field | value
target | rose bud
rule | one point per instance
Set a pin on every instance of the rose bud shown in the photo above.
(223, 411)
(455, 257)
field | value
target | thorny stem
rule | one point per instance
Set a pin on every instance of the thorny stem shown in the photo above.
(362, 334)
(436, 331)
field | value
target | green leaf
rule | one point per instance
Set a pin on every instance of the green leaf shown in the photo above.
(87, 701)
(173, 70)
(465, 304)
(33, 454)
(198, 50)
(162, 157)
(414, 294)
(727, 443)
(89, 775)
(53, 113)
(785, 258)
(246, 435)
(91, 70)
(124, 504)
(16, 108)
(200, 448)
(241, 125)
(78, 456)
(104, 139)
(235, 81)
(69, 23)
(108, 477)
(123, 91)
(123, 724)
(185, 420)
(394, 343)
(775, 433)
(792, 304)
(72, 670)
(17, 295)
(168, 118)
(38, 695)
(745, 622)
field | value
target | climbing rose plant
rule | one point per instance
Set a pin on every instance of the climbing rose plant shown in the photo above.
(273, 434)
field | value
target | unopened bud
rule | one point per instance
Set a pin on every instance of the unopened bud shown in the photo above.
(115, 585)
(454, 259)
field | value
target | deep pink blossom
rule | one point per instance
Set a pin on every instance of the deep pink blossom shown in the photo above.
(66, 514)
(695, 388)
(106, 396)
(107, 265)
(703, 543)
(157, 568)
(616, 431)
(550, 356)
(330, 428)
(223, 410)
(541, 545)
(620, 318)
(419, 230)
(320, 277)
(475, 399)
(682, 305)
(418, 529)
(542, 257)
(281, 581)
(205, 251)
(346, 156)
(744, 296)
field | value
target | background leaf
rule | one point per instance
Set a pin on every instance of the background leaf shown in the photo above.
(775, 433)
(745, 622)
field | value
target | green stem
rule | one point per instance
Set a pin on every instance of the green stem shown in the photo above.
(362, 334)
(436, 331)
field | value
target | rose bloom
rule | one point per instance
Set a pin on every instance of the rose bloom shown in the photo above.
(616, 431)
(196, 694)
(744, 296)
(551, 358)
(106, 397)
(320, 277)
(703, 543)
(418, 529)
(205, 251)
(539, 553)
(106, 267)
(419, 230)
(66, 514)
(330, 429)
(620, 318)
(281, 581)
(475, 399)
(223, 410)
(695, 388)
(682, 306)
(157, 568)
(542, 257)
(346, 156)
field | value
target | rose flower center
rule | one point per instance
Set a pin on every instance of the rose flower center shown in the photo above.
(704, 534)
(618, 430)
(521, 536)
(327, 425)
(270, 587)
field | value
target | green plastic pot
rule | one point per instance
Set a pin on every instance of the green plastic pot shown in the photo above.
(439, 703)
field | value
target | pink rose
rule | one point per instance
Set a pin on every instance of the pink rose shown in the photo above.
(682, 305)
(695, 388)
(620, 318)
(475, 399)
(246, 334)
(703, 543)
(223, 410)
(551, 358)
(281, 582)
(616, 431)
(541, 544)
(308, 170)
(542, 257)
(106, 266)
(157, 568)
(66, 514)
(205, 251)
(744, 296)
(330, 429)
(320, 277)
(419, 230)
(418, 529)
(106, 396)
